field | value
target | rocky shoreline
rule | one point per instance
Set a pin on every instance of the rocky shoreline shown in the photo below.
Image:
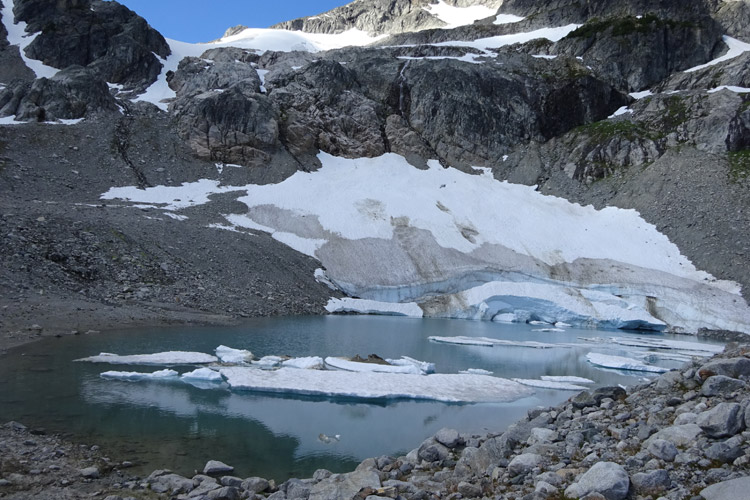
(683, 435)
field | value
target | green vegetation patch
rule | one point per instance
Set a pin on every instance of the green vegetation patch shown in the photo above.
(605, 130)
(739, 165)
(623, 26)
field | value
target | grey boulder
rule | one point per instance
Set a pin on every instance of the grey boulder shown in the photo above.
(605, 478)
(725, 419)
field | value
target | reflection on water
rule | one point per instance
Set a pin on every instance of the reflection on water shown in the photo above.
(180, 426)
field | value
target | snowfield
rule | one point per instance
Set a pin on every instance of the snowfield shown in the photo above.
(487, 249)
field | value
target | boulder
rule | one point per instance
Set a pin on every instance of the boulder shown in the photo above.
(732, 367)
(679, 435)
(651, 483)
(344, 485)
(725, 419)
(524, 463)
(171, 483)
(721, 385)
(255, 484)
(216, 468)
(662, 449)
(733, 489)
(448, 437)
(605, 478)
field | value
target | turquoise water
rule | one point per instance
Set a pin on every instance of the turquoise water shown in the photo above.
(178, 426)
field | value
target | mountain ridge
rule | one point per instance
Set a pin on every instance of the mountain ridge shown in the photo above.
(547, 101)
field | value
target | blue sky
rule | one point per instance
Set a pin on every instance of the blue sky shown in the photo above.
(202, 21)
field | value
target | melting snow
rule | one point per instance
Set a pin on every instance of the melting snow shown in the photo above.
(736, 48)
(507, 19)
(731, 88)
(641, 95)
(622, 363)
(450, 388)
(159, 358)
(620, 111)
(495, 42)
(17, 36)
(454, 17)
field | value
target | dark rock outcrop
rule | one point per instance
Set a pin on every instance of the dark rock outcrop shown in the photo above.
(74, 92)
(110, 39)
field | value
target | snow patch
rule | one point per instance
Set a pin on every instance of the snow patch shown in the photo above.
(731, 88)
(621, 111)
(507, 19)
(736, 49)
(17, 36)
(641, 95)
(454, 17)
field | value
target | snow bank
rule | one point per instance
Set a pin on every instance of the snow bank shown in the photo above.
(159, 358)
(158, 375)
(622, 363)
(736, 49)
(438, 387)
(461, 238)
(495, 42)
(234, 356)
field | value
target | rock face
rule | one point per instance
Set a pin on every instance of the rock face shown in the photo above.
(74, 92)
(377, 17)
(115, 43)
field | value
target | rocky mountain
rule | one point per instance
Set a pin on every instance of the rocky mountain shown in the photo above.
(629, 104)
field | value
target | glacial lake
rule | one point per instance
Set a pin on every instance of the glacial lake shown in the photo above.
(172, 424)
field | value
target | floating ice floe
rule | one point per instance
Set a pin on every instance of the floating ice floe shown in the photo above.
(402, 366)
(269, 362)
(159, 375)
(549, 384)
(684, 347)
(234, 356)
(476, 371)
(622, 363)
(548, 330)
(202, 374)
(570, 379)
(488, 342)
(305, 363)
(159, 358)
(449, 388)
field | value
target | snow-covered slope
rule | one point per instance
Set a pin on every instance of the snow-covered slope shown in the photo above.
(450, 244)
